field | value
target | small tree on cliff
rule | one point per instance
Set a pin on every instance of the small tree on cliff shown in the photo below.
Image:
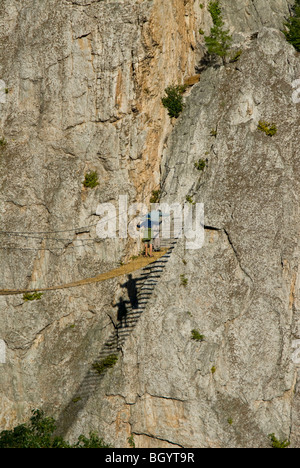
(292, 32)
(220, 40)
(173, 101)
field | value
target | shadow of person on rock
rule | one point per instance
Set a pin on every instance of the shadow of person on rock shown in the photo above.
(131, 286)
(122, 312)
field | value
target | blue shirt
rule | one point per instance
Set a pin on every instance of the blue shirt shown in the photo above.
(152, 218)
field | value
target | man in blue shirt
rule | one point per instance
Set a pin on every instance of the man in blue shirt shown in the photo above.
(151, 224)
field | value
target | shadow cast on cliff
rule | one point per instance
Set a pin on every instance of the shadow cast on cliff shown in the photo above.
(139, 291)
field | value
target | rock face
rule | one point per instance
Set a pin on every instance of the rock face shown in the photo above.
(242, 291)
(85, 82)
(81, 84)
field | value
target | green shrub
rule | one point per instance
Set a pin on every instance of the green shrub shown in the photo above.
(105, 364)
(155, 196)
(38, 433)
(213, 370)
(173, 101)
(93, 441)
(131, 442)
(292, 31)
(76, 399)
(3, 142)
(184, 281)
(200, 165)
(269, 129)
(279, 444)
(197, 336)
(32, 297)
(219, 41)
(190, 200)
(236, 56)
(91, 180)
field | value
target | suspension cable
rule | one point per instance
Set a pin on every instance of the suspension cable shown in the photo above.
(27, 235)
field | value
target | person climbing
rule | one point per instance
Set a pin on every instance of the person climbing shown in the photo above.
(151, 223)
(156, 222)
(147, 234)
(147, 240)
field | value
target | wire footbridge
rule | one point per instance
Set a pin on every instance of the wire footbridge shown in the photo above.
(131, 267)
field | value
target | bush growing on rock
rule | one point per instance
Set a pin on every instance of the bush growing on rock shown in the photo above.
(184, 281)
(196, 336)
(200, 165)
(39, 433)
(279, 444)
(268, 128)
(155, 197)
(107, 363)
(91, 180)
(173, 101)
(190, 200)
(3, 142)
(32, 297)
